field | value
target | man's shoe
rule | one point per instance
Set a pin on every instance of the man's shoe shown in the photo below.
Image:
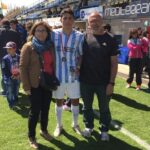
(33, 143)
(104, 136)
(58, 131)
(77, 129)
(46, 135)
(87, 132)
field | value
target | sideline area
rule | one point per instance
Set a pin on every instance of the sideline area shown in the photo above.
(128, 108)
(123, 71)
(129, 134)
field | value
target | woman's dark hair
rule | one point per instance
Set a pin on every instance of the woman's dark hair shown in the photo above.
(66, 11)
(41, 23)
(145, 33)
(133, 31)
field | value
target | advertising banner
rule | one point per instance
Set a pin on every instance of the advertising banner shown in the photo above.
(134, 10)
(84, 13)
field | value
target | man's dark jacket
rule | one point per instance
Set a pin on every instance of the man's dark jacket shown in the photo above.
(7, 35)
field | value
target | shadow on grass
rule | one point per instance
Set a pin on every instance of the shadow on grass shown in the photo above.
(43, 147)
(115, 125)
(130, 102)
(113, 144)
(61, 145)
(93, 143)
(23, 105)
(146, 90)
(80, 108)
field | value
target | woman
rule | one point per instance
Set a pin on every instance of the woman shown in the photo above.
(146, 40)
(135, 58)
(28, 26)
(39, 43)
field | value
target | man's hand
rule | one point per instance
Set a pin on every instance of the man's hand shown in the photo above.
(109, 89)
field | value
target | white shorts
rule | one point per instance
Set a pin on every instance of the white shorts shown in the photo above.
(71, 90)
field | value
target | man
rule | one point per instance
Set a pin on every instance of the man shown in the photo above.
(68, 46)
(107, 28)
(97, 74)
(83, 3)
(28, 26)
(6, 35)
(148, 68)
(17, 27)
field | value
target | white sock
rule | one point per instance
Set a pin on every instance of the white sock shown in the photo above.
(58, 111)
(75, 114)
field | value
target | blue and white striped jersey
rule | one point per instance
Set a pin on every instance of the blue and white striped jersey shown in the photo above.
(68, 50)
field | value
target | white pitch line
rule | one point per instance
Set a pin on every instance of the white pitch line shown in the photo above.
(135, 138)
(131, 135)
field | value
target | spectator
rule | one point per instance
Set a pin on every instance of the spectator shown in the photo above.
(49, 13)
(17, 27)
(77, 28)
(28, 27)
(147, 55)
(145, 47)
(135, 59)
(107, 28)
(83, 3)
(6, 35)
(140, 32)
(148, 67)
(10, 71)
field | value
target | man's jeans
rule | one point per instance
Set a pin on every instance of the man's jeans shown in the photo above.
(87, 94)
(12, 87)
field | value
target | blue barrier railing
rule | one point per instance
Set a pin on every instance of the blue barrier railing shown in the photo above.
(123, 55)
